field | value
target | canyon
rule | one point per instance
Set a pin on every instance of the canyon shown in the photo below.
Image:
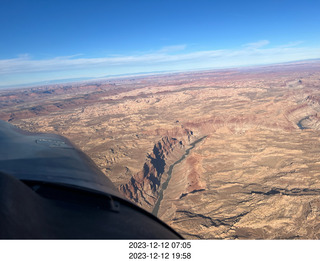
(216, 154)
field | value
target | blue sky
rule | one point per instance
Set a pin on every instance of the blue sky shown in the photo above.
(59, 39)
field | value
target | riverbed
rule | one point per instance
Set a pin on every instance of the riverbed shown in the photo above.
(169, 173)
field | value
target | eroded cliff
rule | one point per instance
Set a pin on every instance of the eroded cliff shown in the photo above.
(143, 187)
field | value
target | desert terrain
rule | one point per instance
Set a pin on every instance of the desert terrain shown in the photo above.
(216, 154)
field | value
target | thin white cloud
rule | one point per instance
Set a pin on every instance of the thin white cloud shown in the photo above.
(291, 44)
(256, 45)
(168, 58)
(173, 48)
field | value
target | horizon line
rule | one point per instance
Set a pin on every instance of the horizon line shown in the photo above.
(92, 79)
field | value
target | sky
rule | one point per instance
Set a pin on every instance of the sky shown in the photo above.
(45, 40)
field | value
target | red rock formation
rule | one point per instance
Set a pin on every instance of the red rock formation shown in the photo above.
(143, 187)
(194, 175)
(183, 133)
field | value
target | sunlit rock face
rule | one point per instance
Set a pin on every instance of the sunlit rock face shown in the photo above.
(240, 148)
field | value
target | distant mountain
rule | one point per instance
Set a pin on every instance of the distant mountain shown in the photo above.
(80, 79)
(47, 82)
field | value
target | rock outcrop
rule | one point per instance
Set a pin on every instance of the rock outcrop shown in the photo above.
(143, 187)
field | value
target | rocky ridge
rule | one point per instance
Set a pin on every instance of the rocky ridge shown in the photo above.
(143, 187)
